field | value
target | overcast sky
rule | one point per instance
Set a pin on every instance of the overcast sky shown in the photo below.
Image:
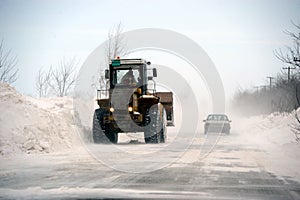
(238, 35)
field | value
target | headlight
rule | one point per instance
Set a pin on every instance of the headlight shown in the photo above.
(130, 109)
(111, 109)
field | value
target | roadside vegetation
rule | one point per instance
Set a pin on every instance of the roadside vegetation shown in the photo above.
(282, 94)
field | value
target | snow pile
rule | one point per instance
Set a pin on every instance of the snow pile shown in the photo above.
(267, 131)
(34, 125)
(274, 128)
(276, 147)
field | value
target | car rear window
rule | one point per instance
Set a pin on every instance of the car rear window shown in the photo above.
(217, 117)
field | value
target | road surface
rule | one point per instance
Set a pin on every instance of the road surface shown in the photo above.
(233, 169)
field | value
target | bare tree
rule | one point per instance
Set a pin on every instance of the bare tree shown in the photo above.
(115, 43)
(64, 77)
(8, 71)
(292, 54)
(292, 58)
(295, 127)
(115, 46)
(42, 83)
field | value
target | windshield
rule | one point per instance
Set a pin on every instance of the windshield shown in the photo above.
(126, 76)
(217, 117)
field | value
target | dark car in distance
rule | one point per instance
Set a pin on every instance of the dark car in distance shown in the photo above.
(217, 123)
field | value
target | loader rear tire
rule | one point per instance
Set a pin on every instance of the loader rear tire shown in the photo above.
(163, 127)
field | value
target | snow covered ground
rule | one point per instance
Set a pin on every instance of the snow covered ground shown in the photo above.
(274, 136)
(30, 125)
(41, 155)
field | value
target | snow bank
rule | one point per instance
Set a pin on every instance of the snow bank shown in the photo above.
(34, 125)
(267, 131)
(276, 147)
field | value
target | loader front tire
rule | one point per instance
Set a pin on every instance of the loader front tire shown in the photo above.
(98, 133)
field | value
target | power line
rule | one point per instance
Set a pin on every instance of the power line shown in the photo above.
(296, 59)
(261, 87)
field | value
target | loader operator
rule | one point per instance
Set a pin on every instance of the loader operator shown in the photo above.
(128, 78)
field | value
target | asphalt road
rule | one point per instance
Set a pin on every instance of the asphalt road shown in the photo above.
(230, 170)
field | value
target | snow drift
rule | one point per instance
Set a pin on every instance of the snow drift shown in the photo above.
(276, 147)
(32, 125)
(267, 131)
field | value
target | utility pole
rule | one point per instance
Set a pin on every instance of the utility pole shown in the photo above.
(270, 80)
(289, 71)
(257, 88)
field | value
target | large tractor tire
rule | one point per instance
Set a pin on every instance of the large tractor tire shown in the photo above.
(151, 134)
(102, 133)
(163, 127)
(205, 131)
(227, 132)
(111, 134)
(98, 133)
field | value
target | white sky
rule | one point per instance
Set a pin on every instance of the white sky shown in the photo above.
(238, 35)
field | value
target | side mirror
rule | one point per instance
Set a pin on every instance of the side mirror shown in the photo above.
(204, 120)
(154, 72)
(106, 74)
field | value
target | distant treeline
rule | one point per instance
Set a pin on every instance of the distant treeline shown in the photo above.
(281, 97)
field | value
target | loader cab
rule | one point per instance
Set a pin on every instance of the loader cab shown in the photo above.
(124, 73)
